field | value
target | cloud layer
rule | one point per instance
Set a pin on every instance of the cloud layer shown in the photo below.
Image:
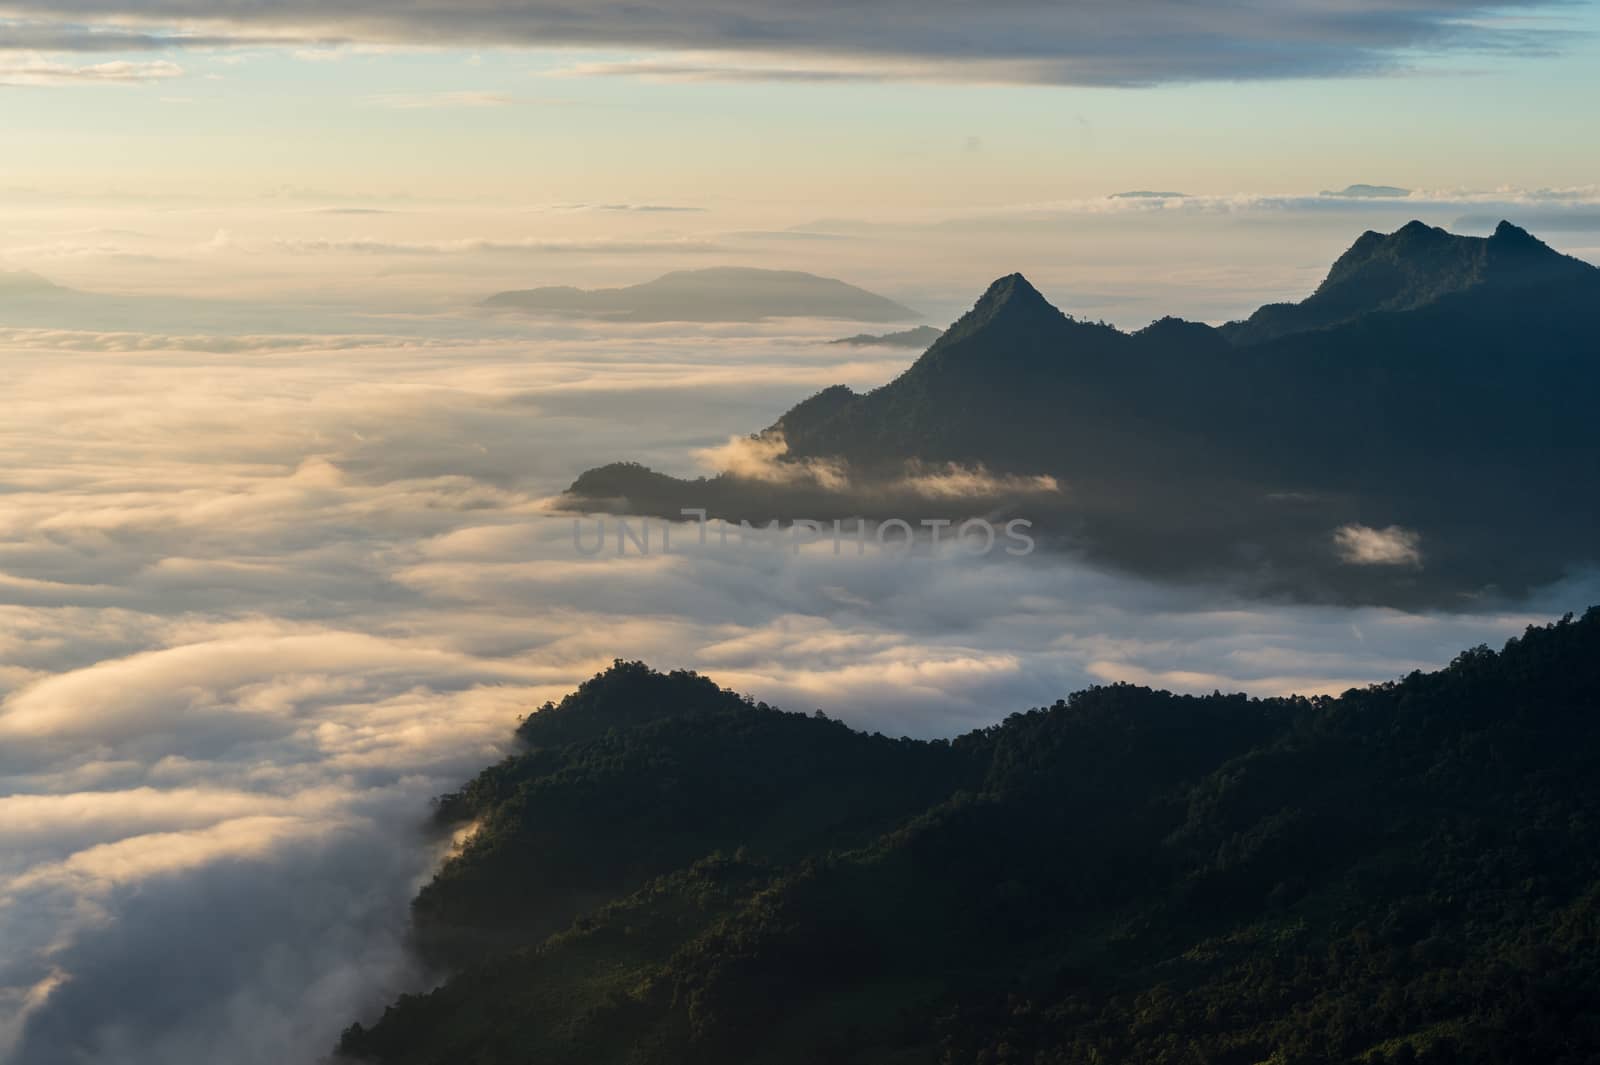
(263, 594)
(1129, 42)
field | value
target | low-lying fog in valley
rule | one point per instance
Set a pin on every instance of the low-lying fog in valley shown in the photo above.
(278, 561)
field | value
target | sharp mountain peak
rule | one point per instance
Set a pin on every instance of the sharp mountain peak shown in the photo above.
(1012, 286)
(1009, 300)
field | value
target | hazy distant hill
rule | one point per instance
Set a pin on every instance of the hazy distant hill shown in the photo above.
(1418, 430)
(29, 300)
(724, 294)
(26, 296)
(1370, 192)
(1408, 874)
(920, 337)
(22, 286)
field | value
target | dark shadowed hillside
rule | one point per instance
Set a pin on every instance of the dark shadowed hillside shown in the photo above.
(1436, 391)
(1406, 873)
(637, 774)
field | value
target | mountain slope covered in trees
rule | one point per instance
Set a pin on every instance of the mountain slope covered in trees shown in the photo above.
(1405, 873)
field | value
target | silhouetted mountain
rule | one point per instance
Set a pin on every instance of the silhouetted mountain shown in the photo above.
(1410, 268)
(920, 337)
(724, 294)
(1434, 385)
(1408, 873)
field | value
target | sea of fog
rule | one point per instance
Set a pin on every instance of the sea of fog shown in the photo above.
(263, 594)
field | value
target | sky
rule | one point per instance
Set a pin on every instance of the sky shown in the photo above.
(278, 557)
(422, 159)
(659, 103)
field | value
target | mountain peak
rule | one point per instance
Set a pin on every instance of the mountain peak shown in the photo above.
(1417, 228)
(1012, 294)
(1010, 304)
(1508, 236)
(1009, 288)
(1412, 267)
(626, 695)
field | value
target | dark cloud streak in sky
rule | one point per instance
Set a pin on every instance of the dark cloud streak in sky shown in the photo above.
(1098, 42)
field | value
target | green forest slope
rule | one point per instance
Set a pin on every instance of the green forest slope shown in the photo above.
(672, 874)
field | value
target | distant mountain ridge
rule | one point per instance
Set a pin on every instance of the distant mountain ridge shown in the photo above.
(920, 337)
(1369, 192)
(1435, 384)
(719, 294)
(24, 284)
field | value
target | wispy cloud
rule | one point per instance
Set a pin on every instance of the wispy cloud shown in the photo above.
(34, 71)
(471, 246)
(670, 70)
(764, 458)
(1133, 42)
(1362, 545)
(429, 101)
(953, 481)
(17, 35)
(629, 208)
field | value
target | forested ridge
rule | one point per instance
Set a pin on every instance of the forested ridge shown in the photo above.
(671, 873)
